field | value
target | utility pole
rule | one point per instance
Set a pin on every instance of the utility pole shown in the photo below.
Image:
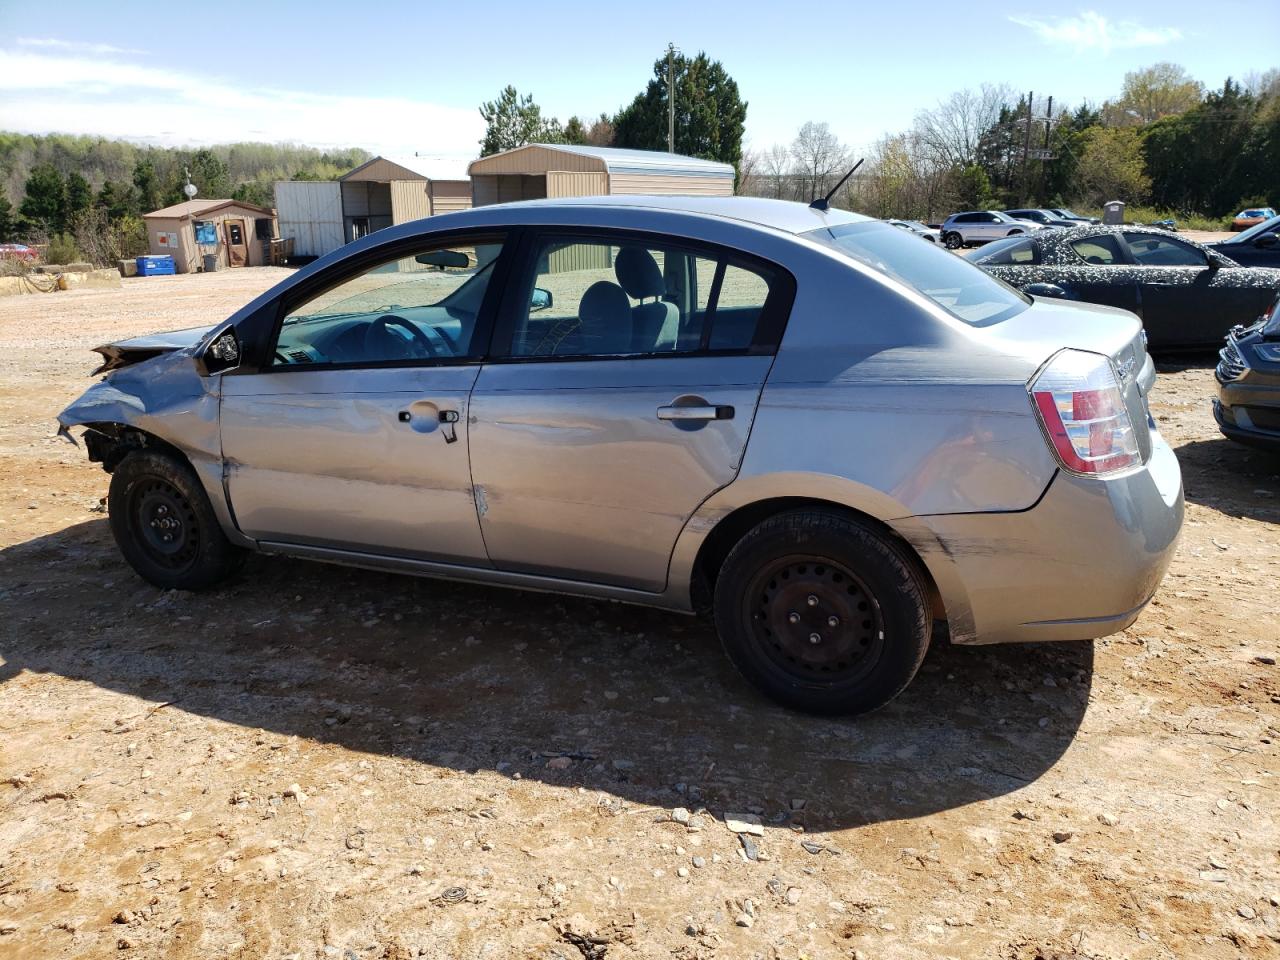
(1048, 129)
(671, 98)
(1026, 144)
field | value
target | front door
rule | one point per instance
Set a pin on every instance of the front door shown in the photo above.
(237, 242)
(355, 436)
(1110, 279)
(632, 373)
(1174, 282)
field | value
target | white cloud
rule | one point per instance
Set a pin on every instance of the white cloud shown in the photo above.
(1092, 31)
(73, 45)
(99, 95)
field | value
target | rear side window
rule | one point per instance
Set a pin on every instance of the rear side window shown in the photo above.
(963, 290)
(596, 298)
(966, 218)
(1014, 251)
(1103, 251)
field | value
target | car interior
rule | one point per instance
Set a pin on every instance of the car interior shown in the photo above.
(610, 300)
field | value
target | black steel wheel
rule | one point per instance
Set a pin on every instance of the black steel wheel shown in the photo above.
(822, 612)
(164, 525)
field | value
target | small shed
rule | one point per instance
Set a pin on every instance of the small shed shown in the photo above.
(233, 231)
(390, 190)
(541, 170)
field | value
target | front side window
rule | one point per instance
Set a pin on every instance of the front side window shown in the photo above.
(600, 298)
(1103, 251)
(963, 290)
(421, 306)
(1154, 251)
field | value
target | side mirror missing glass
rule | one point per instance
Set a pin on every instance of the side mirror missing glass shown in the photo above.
(541, 300)
(1046, 290)
(222, 354)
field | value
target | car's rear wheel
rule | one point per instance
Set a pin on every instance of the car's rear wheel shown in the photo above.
(1014, 233)
(822, 613)
(165, 526)
(953, 240)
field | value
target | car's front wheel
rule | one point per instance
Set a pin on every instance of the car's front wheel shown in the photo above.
(953, 240)
(822, 613)
(165, 526)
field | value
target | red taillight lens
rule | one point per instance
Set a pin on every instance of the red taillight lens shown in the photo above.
(1078, 399)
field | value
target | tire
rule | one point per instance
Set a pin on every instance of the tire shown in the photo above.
(953, 240)
(814, 573)
(165, 526)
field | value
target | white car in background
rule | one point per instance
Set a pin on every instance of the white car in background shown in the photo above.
(982, 226)
(918, 228)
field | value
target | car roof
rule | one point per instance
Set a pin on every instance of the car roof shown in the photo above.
(784, 215)
(1069, 234)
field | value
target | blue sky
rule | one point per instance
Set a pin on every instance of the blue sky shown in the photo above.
(398, 77)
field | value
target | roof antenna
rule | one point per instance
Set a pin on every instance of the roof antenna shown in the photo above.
(824, 203)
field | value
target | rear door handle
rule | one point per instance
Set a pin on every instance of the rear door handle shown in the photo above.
(699, 412)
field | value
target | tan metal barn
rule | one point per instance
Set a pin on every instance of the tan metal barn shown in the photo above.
(390, 190)
(562, 170)
(231, 229)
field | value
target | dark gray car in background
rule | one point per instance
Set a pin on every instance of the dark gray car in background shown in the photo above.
(1187, 295)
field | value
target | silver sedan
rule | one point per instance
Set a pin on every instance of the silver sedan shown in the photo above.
(836, 439)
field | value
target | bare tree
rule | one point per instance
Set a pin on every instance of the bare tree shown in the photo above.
(950, 133)
(819, 156)
(749, 173)
(776, 167)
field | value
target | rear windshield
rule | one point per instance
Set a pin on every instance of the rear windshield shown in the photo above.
(954, 284)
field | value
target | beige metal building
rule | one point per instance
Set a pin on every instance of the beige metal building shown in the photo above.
(229, 229)
(562, 170)
(390, 190)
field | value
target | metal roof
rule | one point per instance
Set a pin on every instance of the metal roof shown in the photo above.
(429, 168)
(193, 208)
(653, 162)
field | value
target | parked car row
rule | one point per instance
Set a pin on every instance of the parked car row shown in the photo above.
(974, 227)
(646, 392)
(1187, 294)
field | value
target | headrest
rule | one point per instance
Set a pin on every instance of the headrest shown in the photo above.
(639, 273)
(604, 304)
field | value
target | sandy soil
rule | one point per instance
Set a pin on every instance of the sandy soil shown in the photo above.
(317, 762)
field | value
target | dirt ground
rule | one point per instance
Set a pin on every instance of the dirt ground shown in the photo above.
(319, 762)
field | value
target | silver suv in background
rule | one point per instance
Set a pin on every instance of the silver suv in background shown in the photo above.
(982, 226)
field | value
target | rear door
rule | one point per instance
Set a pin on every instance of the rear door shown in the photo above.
(604, 419)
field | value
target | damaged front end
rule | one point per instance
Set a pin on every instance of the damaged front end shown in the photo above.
(158, 403)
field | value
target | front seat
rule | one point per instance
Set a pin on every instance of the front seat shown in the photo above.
(604, 320)
(656, 323)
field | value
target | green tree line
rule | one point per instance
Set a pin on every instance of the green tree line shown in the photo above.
(60, 185)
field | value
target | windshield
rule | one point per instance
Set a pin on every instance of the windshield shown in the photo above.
(1257, 230)
(957, 286)
(1067, 214)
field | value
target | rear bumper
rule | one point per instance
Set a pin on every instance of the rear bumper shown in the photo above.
(1082, 563)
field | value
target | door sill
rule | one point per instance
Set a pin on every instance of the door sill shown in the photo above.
(465, 574)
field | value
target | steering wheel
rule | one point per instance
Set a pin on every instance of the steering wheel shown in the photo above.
(376, 336)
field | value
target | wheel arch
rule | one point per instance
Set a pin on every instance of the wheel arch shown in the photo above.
(721, 536)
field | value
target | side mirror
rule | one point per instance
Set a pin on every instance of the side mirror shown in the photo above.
(1267, 240)
(541, 300)
(1046, 290)
(222, 354)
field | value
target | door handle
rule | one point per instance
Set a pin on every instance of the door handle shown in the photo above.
(699, 412)
(446, 418)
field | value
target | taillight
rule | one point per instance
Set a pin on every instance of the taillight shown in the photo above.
(1078, 399)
